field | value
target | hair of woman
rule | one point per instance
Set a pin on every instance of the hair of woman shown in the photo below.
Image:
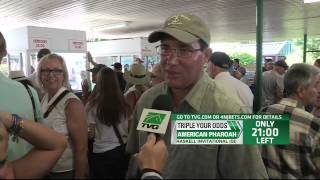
(63, 64)
(108, 99)
(3, 47)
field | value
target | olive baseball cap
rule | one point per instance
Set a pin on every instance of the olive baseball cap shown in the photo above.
(186, 28)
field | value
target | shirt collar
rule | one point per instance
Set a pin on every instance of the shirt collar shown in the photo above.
(222, 74)
(292, 103)
(196, 95)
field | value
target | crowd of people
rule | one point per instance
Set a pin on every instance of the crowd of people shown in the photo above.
(94, 136)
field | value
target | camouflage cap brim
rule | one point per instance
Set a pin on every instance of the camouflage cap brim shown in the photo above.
(180, 35)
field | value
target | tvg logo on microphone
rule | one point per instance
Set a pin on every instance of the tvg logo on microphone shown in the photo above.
(153, 120)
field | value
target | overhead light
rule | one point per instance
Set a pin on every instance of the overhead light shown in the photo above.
(310, 1)
(111, 26)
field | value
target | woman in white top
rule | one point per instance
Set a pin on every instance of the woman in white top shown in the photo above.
(66, 117)
(109, 111)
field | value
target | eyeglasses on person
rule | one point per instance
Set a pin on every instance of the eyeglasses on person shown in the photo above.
(55, 72)
(186, 52)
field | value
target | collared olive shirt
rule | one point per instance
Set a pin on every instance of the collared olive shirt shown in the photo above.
(272, 82)
(201, 161)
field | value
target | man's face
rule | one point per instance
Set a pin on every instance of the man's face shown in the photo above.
(317, 103)
(236, 64)
(117, 69)
(180, 71)
(310, 94)
(268, 66)
(238, 75)
(281, 70)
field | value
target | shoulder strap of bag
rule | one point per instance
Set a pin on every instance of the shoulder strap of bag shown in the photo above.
(135, 97)
(117, 133)
(46, 114)
(32, 101)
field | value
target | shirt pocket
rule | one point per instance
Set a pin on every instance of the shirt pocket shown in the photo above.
(192, 161)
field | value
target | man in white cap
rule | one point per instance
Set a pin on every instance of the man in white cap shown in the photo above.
(184, 50)
(138, 76)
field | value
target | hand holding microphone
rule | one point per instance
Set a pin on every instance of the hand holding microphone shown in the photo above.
(153, 154)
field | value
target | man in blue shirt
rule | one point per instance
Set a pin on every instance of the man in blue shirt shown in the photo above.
(14, 98)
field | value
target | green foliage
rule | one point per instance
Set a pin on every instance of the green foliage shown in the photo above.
(245, 58)
(312, 45)
(297, 56)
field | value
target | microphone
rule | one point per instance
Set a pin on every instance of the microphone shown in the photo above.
(156, 120)
(163, 102)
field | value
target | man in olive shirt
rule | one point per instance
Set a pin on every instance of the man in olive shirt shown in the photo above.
(184, 49)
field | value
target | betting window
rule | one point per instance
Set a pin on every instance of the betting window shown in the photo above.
(15, 61)
(126, 62)
(76, 65)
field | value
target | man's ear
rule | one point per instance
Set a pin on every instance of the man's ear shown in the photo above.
(300, 92)
(207, 54)
(211, 69)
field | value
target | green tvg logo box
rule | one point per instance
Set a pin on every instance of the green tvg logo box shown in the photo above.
(153, 120)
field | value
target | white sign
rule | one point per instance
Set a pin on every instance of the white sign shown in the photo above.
(77, 45)
(146, 51)
(155, 121)
(40, 43)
